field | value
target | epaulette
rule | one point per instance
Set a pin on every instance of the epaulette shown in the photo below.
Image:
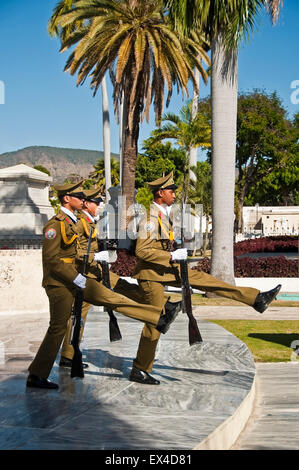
(82, 216)
(86, 230)
(60, 216)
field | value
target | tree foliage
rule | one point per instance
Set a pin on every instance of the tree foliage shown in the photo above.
(97, 177)
(134, 40)
(42, 168)
(267, 151)
(158, 160)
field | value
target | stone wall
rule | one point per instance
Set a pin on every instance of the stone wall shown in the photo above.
(21, 282)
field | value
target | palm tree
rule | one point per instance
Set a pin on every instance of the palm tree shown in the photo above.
(98, 176)
(54, 29)
(134, 40)
(187, 131)
(225, 24)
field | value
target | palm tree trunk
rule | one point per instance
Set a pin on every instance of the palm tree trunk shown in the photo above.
(130, 125)
(129, 164)
(194, 111)
(224, 91)
(106, 137)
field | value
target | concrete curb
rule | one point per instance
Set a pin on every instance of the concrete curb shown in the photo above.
(223, 437)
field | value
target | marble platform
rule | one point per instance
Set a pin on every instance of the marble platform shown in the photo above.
(203, 401)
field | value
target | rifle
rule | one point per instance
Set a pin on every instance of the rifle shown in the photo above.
(194, 333)
(77, 366)
(114, 331)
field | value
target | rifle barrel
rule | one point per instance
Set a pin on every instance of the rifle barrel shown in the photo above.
(194, 333)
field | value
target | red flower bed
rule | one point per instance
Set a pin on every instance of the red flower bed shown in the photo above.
(261, 267)
(244, 267)
(266, 267)
(284, 243)
(125, 264)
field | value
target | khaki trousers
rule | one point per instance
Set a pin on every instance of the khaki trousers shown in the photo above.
(61, 300)
(120, 286)
(154, 295)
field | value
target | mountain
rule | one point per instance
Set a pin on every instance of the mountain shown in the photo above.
(61, 162)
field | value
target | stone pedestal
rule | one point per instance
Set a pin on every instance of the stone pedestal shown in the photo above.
(24, 206)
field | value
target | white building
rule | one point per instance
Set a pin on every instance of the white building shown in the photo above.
(276, 220)
(24, 206)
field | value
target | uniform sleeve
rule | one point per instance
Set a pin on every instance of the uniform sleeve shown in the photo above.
(147, 247)
(51, 254)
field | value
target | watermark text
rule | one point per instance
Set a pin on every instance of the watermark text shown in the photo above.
(295, 93)
(2, 92)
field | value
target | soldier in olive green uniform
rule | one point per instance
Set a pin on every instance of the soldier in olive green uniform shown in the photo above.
(60, 276)
(157, 267)
(86, 221)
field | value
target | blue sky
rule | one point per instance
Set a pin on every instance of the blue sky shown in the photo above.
(43, 106)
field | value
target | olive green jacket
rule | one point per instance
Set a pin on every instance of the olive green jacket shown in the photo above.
(59, 251)
(154, 243)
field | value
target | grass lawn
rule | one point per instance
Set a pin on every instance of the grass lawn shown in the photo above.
(268, 340)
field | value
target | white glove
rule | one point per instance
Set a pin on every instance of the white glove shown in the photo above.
(179, 255)
(101, 256)
(80, 281)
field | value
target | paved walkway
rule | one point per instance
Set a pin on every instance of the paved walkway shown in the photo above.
(274, 422)
(245, 313)
(201, 388)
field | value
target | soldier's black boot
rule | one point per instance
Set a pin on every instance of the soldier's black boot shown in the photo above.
(66, 362)
(263, 299)
(142, 377)
(33, 381)
(171, 312)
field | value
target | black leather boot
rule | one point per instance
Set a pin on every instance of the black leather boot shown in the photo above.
(263, 299)
(171, 312)
(142, 377)
(66, 362)
(33, 381)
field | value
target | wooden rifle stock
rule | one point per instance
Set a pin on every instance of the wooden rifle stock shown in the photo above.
(77, 366)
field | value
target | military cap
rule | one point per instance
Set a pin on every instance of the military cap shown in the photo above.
(93, 195)
(166, 182)
(70, 189)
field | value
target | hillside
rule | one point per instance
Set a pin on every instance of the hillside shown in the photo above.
(61, 162)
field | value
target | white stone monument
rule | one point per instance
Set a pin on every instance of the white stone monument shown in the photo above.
(24, 206)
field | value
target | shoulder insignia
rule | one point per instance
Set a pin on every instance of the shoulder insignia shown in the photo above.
(50, 233)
